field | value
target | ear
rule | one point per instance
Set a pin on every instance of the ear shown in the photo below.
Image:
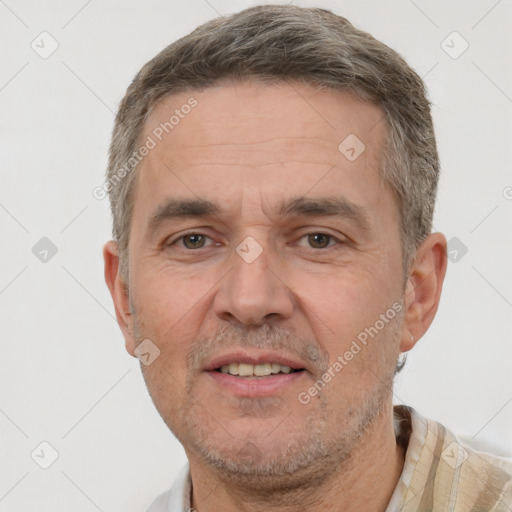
(423, 289)
(120, 294)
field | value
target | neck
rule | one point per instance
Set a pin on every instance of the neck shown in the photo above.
(364, 481)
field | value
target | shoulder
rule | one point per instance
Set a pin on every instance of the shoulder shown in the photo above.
(442, 471)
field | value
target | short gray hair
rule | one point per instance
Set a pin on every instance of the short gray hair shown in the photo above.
(274, 43)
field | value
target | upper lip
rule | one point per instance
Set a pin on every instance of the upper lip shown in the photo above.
(246, 357)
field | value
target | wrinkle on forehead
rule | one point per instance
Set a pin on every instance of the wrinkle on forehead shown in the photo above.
(276, 151)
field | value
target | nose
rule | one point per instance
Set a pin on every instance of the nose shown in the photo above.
(253, 293)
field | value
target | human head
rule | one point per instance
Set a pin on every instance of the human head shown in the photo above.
(284, 42)
(257, 155)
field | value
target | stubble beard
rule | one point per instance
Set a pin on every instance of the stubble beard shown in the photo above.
(303, 459)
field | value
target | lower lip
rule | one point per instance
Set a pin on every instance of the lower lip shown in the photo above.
(257, 386)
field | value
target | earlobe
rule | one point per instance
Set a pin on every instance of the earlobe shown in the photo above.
(408, 341)
(119, 292)
(423, 289)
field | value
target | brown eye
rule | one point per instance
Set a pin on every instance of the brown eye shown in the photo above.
(319, 240)
(193, 241)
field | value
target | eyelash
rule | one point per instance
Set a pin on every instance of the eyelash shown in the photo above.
(182, 237)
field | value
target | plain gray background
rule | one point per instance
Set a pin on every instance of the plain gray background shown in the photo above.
(65, 377)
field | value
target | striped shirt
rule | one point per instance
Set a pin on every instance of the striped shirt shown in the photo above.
(440, 474)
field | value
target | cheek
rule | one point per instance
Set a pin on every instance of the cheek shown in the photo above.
(167, 315)
(163, 300)
(344, 312)
(346, 301)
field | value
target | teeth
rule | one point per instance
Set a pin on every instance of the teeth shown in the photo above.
(254, 370)
(245, 370)
(261, 370)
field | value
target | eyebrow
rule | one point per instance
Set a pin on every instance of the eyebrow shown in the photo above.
(296, 207)
(337, 206)
(183, 208)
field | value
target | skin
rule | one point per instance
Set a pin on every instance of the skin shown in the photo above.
(250, 147)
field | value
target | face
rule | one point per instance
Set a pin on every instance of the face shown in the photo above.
(257, 245)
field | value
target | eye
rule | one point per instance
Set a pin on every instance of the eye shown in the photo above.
(192, 241)
(320, 240)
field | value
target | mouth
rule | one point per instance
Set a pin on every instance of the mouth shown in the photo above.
(256, 371)
(257, 375)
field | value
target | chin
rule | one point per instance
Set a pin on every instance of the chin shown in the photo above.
(261, 452)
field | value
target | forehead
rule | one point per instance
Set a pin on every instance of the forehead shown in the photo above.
(234, 138)
(249, 112)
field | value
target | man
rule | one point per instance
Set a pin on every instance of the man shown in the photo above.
(272, 179)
